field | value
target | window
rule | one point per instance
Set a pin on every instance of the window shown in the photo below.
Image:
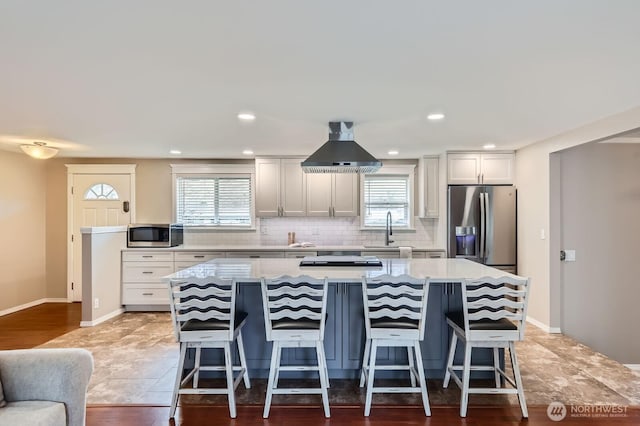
(389, 190)
(101, 191)
(214, 199)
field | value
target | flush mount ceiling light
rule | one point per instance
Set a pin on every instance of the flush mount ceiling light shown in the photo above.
(175, 152)
(435, 116)
(393, 152)
(39, 150)
(341, 154)
(489, 146)
(246, 116)
(247, 152)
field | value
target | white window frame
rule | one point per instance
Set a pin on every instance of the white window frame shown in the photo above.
(215, 170)
(407, 170)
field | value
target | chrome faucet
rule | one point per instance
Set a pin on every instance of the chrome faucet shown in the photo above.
(389, 230)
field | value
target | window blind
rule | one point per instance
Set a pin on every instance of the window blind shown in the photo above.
(384, 194)
(213, 200)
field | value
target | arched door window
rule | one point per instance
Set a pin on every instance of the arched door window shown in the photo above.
(101, 191)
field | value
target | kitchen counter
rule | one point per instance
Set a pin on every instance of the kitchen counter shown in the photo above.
(439, 270)
(232, 248)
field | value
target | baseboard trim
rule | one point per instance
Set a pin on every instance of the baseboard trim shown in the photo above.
(31, 305)
(102, 318)
(634, 367)
(544, 327)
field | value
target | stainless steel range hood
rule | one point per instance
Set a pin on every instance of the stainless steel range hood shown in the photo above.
(341, 154)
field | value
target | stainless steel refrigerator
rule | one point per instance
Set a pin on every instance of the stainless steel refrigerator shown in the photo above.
(482, 224)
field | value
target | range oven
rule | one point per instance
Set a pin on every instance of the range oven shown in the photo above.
(155, 235)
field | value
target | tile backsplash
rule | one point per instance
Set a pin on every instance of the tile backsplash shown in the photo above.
(320, 231)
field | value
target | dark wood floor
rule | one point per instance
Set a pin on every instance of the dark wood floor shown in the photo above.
(34, 326)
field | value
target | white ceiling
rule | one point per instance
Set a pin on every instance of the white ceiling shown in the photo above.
(138, 78)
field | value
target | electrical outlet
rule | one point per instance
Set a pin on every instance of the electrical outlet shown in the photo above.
(96, 303)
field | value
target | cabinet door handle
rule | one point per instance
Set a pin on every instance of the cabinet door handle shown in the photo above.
(147, 294)
(478, 178)
(483, 178)
(147, 272)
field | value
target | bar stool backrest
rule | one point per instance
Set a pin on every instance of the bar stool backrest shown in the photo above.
(496, 299)
(399, 297)
(209, 300)
(294, 299)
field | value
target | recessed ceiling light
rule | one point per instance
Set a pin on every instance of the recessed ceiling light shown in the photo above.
(393, 152)
(247, 152)
(246, 116)
(489, 146)
(175, 152)
(435, 116)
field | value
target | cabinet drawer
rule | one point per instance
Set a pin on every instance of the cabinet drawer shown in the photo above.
(436, 255)
(256, 254)
(184, 265)
(147, 256)
(299, 254)
(419, 255)
(198, 257)
(145, 295)
(145, 271)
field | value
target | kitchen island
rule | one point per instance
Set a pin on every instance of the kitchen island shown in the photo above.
(345, 334)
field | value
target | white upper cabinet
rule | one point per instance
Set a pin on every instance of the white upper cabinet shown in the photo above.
(280, 187)
(429, 187)
(332, 194)
(480, 168)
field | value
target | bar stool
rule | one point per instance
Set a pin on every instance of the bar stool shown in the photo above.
(395, 309)
(493, 315)
(204, 316)
(294, 317)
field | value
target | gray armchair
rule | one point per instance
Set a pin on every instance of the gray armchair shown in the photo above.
(45, 386)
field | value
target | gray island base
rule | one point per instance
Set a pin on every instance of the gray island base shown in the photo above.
(345, 332)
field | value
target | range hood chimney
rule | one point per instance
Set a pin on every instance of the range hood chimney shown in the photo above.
(341, 154)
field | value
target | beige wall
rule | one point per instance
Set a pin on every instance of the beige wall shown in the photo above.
(534, 207)
(153, 205)
(22, 227)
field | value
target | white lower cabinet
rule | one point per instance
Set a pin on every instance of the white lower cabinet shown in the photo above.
(184, 260)
(142, 273)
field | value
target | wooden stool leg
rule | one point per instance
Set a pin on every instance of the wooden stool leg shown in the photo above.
(423, 380)
(452, 353)
(466, 373)
(275, 356)
(496, 365)
(372, 371)
(412, 377)
(176, 388)
(243, 361)
(365, 362)
(323, 378)
(228, 362)
(516, 374)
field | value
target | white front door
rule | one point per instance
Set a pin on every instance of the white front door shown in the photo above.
(97, 200)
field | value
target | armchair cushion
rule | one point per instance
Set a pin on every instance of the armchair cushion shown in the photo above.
(2, 401)
(48, 378)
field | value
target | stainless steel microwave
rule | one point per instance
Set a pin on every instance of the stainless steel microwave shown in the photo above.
(155, 235)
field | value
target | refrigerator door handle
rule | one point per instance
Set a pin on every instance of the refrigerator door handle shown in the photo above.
(486, 204)
(482, 230)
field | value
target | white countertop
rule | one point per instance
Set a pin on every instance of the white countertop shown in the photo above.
(279, 248)
(440, 270)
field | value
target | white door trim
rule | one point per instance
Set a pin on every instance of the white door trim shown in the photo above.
(92, 169)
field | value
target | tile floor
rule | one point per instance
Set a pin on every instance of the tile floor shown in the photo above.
(136, 356)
